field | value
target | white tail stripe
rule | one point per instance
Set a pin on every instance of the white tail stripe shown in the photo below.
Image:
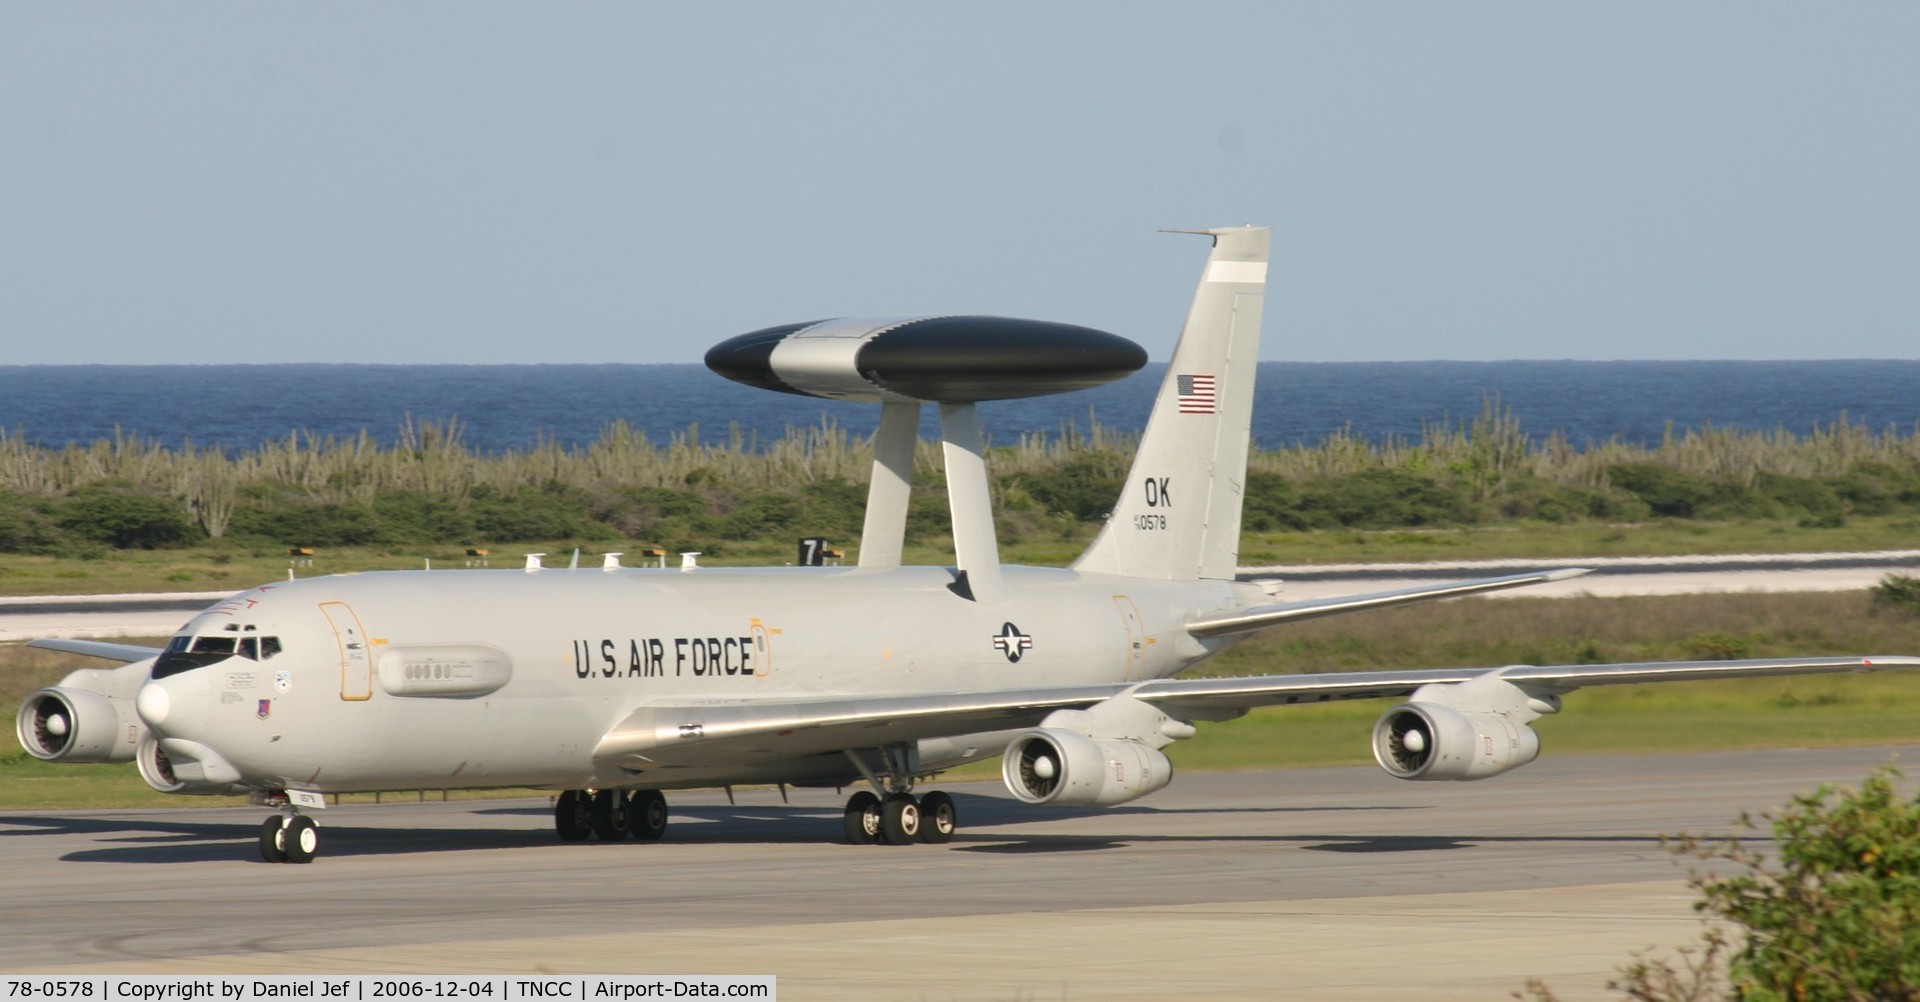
(1238, 271)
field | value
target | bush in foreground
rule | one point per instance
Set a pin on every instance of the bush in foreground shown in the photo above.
(1835, 918)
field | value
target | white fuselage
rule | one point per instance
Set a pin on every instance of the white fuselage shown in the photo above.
(449, 679)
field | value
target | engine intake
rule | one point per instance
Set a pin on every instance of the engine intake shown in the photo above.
(61, 724)
(1067, 769)
(168, 774)
(1427, 741)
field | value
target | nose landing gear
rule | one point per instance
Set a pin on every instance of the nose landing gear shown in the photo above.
(272, 832)
(289, 838)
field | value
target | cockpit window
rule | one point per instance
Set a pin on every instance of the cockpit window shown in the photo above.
(188, 653)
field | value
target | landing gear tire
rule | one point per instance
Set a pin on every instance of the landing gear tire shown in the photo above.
(647, 814)
(610, 810)
(863, 820)
(272, 830)
(900, 819)
(301, 839)
(938, 818)
(573, 815)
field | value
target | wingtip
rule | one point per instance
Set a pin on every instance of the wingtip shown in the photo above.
(1567, 572)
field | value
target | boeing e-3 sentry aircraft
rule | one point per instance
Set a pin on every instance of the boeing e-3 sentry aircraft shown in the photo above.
(613, 684)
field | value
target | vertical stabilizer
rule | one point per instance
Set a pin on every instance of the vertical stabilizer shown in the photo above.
(1179, 515)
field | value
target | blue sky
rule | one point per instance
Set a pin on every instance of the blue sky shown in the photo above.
(495, 182)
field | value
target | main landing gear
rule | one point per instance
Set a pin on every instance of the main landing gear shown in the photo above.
(898, 817)
(888, 814)
(610, 815)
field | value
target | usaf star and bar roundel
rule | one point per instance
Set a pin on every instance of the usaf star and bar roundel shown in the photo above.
(1011, 642)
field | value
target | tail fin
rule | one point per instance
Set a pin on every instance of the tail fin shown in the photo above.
(1179, 516)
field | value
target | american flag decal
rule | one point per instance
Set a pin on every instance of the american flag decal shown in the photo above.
(1196, 394)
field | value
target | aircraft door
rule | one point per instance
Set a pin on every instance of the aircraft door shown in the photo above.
(762, 647)
(356, 662)
(1136, 635)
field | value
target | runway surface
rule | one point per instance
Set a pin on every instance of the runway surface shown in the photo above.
(1313, 883)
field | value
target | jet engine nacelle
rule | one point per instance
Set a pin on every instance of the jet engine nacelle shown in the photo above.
(1067, 769)
(1429, 741)
(189, 776)
(64, 724)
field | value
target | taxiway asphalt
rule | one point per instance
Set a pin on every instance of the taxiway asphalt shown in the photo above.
(1309, 883)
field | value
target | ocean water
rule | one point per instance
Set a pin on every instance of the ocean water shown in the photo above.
(515, 406)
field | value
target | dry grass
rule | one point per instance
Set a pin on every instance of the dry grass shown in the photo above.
(430, 457)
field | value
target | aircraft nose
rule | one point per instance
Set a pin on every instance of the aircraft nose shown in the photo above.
(152, 703)
(175, 706)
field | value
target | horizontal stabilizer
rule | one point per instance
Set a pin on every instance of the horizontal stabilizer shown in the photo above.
(1259, 617)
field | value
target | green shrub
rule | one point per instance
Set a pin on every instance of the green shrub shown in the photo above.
(1719, 647)
(1838, 916)
(1874, 488)
(1667, 492)
(297, 522)
(833, 508)
(405, 516)
(125, 518)
(1272, 503)
(1830, 914)
(1086, 487)
(1897, 593)
(525, 514)
(759, 515)
(1382, 499)
(1804, 496)
(25, 526)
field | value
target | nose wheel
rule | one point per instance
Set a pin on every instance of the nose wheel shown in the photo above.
(272, 830)
(289, 839)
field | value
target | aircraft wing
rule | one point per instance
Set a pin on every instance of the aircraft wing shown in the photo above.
(708, 733)
(666, 736)
(1259, 617)
(123, 653)
(1199, 697)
